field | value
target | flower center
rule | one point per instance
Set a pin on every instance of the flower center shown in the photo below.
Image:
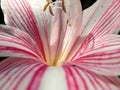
(56, 56)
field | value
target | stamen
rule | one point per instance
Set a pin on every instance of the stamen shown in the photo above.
(63, 6)
(48, 5)
(51, 11)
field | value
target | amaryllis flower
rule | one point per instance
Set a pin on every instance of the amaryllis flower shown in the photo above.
(53, 45)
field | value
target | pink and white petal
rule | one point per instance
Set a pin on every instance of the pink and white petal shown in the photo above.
(28, 74)
(18, 13)
(21, 74)
(16, 43)
(54, 79)
(104, 57)
(102, 18)
(73, 18)
(79, 78)
(86, 45)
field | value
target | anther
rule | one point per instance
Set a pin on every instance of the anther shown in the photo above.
(49, 7)
(49, 1)
(68, 22)
(51, 11)
(63, 6)
(45, 7)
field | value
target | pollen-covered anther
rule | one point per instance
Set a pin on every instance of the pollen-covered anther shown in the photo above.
(51, 11)
(68, 22)
(63, 6)
(45, 7)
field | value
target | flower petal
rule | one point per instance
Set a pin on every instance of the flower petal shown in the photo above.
(54, 79)
(19, 14)
(28, 74)
(72, 37)
(103, 57)
(21, 74)
(79, 78)
(102, 18)
(16, 43)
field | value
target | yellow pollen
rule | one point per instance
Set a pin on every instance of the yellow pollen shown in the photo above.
(56, 62)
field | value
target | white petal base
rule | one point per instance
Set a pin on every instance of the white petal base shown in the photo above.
(53, 79)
